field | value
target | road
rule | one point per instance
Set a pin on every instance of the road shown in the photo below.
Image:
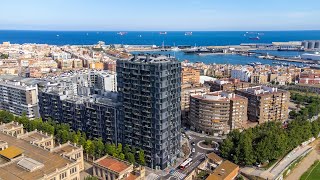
(197, 157)
(304, 165)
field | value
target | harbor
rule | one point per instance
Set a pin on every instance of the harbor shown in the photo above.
(280, 53)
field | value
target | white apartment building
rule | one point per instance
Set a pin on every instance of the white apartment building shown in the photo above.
(19, 95)
(242, 74)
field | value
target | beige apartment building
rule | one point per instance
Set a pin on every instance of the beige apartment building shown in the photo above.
(23, 156)
(185, 99)
(258, 78)
(218, 112)
(190, 75)
(226, 84)
(266, 103)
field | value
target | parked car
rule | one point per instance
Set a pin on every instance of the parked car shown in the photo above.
(193, 150)
(193, 143)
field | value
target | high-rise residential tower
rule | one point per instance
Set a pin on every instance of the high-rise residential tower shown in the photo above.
(150, 88)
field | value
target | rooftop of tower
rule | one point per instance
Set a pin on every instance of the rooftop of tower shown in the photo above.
(152, 58)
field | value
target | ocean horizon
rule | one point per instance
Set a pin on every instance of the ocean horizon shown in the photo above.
(198, 38)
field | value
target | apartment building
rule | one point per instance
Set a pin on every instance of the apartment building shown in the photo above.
(149, 89)
(258, 78)
(185, 99)
(242, 74)
(19, 95)
(309, 78)
(190, 75)
(96, 115)
(218, 112)
(111, 168)
(266, 103)
(20, 158)
(226, 84)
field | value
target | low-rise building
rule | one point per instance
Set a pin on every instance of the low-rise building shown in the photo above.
(114, 169)
(20, 159)
(12, 128)
(225, 171)
(72, 151)
(38, 138)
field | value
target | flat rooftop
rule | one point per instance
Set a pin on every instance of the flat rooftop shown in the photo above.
(33, 136)
(65, 149)
(51, 161)
(113, 164)
(9, 126)
(223, 170)
(151, 58)
(219, 96)
(261, 90)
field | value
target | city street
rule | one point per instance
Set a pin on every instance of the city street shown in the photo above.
(198, 156)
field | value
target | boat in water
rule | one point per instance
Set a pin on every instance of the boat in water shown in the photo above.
(254, 63)
(188, 33)
(163, 33)
(122, 33)
(310, 56)
(175, 49)
(254, 38)
(197, 50)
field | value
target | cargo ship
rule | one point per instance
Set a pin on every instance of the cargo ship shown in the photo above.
(309, 56)
(162, 33)
(254, 38)
(188, 33)
(122, 33)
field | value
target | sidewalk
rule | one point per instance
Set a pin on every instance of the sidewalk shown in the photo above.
(304, 165)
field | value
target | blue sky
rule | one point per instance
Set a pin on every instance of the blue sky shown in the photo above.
(208, 15)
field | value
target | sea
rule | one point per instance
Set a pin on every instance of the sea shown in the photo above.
(172, 38)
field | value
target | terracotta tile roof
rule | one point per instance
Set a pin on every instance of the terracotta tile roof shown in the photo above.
(113, 164)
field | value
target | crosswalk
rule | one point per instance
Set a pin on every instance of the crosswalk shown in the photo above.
(152, 176)
(179, 175)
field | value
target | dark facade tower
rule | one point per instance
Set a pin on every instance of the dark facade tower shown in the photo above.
(149, 89)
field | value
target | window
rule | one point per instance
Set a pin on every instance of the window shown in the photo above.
(73, 170)
(54, 178)
(63, 175)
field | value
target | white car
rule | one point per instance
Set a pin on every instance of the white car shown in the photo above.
(193, 150)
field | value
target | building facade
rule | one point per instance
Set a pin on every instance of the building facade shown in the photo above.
(95, 115)
(227, 84)
(22, 158)
(242, 74)
(19, 96)
(266, 103)
(190, 76)
(217, 113)
(110, 168)
(149, 89)
(185, 100)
